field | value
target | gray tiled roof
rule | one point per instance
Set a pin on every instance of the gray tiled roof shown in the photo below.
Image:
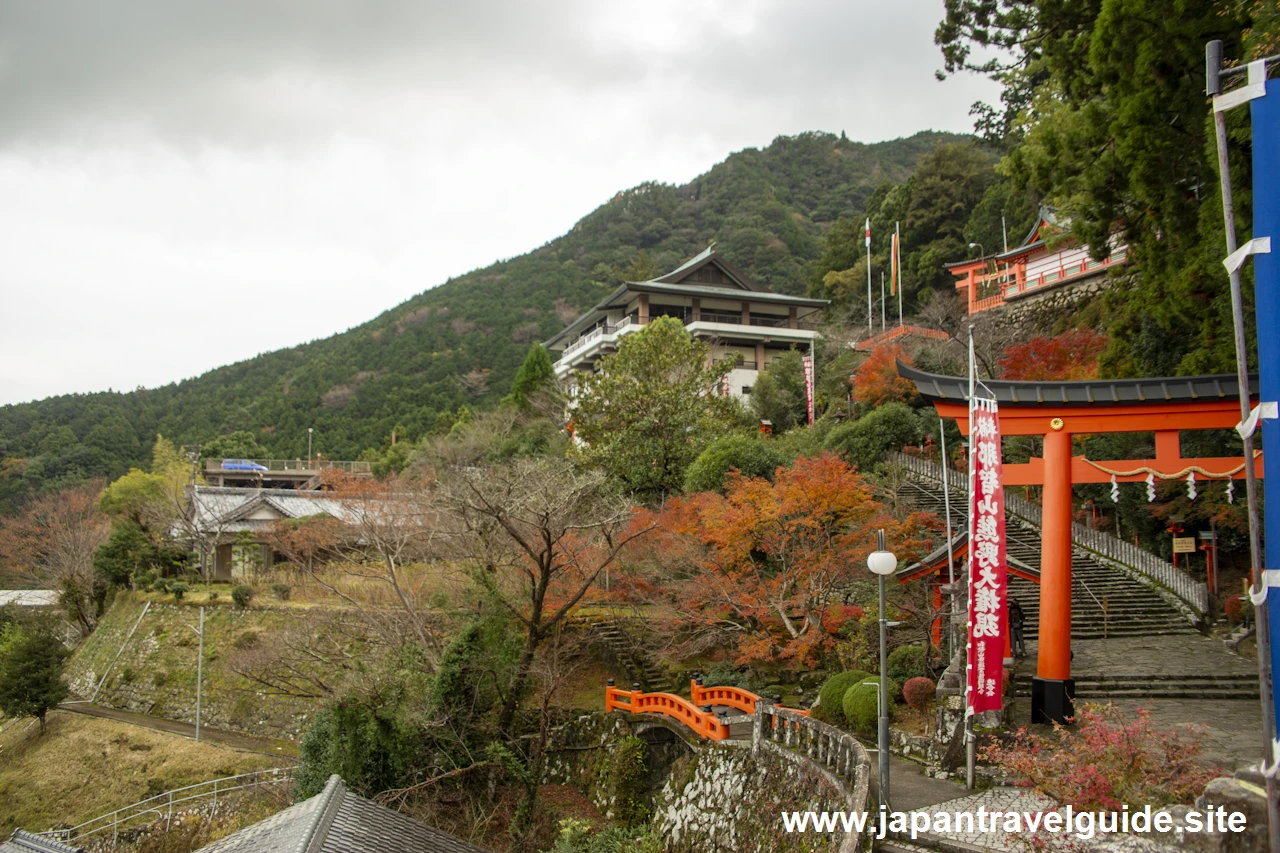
(225, 508)
(1170, 389)
(338, 821)
(26, 842)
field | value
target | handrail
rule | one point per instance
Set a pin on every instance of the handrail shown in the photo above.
(704, 723)
(304, 465)
(162, 804)
(730, 697)
(838, 751)
(1111, 548)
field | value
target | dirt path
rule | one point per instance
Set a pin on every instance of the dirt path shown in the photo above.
(266, 746)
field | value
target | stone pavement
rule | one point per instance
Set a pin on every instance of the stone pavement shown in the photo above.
(1232, 736)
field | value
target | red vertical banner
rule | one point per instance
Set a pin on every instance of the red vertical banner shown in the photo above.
(808, 385)
(988, 576)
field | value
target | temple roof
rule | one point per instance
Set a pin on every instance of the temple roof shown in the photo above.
(732, 283)
(1131, 392)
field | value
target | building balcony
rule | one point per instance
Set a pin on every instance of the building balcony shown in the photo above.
(591, 345)
(1011, 283)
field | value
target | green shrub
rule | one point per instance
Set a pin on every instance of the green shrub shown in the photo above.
(861, 705)
(242, 595)
(179, 589)
(906, 662)
(247, 640)
(144, 580)
(753, 457)
(867, 441)
(630, 775)
(160, 585)
(281, 591)
(213, 595)
(727, 675)
(831, 696)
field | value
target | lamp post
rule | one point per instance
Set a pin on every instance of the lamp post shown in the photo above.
(882, 563)
(309, 429)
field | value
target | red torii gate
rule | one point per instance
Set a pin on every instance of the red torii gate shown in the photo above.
(1058, 410)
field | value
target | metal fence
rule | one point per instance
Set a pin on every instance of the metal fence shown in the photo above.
(1125, 554)
(161, 806)
(315, 464)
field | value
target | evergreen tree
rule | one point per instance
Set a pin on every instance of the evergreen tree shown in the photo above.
(653, 407)
(31, 673)
(536, 374)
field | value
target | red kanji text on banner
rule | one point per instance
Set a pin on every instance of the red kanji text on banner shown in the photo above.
(988, 575)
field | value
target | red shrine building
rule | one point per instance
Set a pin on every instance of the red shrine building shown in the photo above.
(1040, 264)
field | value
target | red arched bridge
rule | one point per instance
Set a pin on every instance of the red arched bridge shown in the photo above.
(703, 712)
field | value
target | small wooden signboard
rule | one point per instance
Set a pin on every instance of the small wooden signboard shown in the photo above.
(1184, 545)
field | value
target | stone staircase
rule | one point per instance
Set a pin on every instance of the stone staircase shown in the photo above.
(1104, 601)
(651, 677)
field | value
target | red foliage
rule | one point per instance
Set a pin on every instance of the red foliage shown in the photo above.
(764, 566)
(918, 692)
(1234, 608)
(876, 381)
(1112, 758)
(1070, 355)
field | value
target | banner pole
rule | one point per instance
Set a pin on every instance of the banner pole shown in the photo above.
(1213, 67)
(970, 740)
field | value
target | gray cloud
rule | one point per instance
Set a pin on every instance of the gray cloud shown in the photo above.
(325, 159)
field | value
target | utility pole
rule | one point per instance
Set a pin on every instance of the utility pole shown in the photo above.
(199, 669)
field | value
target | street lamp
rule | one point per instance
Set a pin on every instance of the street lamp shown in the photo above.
(883, 563)
(309, 429)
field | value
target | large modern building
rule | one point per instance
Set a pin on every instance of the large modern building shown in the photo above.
(715, 300)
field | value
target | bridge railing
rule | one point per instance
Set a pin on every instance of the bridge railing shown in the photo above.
(161, 806)
(730, 697)
(1188, 590)
(702, 723)
(839, 752)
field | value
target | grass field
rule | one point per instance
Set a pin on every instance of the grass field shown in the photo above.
(83, 767)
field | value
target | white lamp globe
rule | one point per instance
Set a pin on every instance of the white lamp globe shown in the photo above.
(882, 562)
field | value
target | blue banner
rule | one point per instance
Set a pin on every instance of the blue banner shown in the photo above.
(1265, 113)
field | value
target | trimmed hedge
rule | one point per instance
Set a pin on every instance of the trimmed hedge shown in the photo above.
(831, 696)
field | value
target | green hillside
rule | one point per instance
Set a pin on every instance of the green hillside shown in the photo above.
(460, 343)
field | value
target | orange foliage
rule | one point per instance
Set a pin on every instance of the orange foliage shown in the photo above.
(1070, 355)
(876, 381)
(771, 561)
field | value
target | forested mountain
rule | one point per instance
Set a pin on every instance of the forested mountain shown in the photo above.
(459, 344)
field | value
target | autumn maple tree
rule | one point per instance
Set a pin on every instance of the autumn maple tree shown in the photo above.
(876, 381)
(764, 565)
(1073, 354)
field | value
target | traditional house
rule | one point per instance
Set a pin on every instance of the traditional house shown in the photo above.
(715, 300)
(1031, 268)
(232, 524)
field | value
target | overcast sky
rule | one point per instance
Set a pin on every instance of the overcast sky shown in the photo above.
(184, 185)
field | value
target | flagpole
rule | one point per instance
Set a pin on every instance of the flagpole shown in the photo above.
(870, 326)
(897, 265)
(970, 740)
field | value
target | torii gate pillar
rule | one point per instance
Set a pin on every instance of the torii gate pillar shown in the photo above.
(1052, 688)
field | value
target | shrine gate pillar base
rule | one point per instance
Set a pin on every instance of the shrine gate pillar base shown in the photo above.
(1052, 688)
(1052, 701)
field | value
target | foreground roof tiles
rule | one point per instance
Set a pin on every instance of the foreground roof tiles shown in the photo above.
(338, 821)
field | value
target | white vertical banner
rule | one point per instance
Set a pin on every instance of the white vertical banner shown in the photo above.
(808, 385)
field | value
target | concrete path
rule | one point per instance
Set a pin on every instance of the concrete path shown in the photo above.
(235, 740)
